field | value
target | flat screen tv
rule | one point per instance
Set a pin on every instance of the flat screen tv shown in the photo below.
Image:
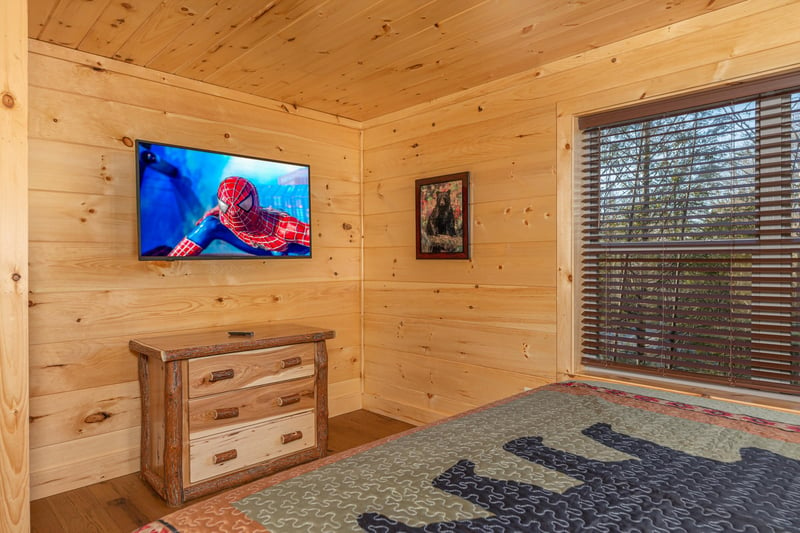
(201, 204)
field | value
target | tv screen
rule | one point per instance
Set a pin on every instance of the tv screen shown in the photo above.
(200, 204)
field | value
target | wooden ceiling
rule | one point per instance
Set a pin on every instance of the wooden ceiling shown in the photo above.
(359, 59)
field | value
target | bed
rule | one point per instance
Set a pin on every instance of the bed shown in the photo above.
(571, 456)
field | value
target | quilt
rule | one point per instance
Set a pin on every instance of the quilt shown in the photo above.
(566, 457)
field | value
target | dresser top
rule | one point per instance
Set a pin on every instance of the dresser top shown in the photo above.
(217, 341)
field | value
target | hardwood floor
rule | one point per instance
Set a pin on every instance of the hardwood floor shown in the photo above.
(124, 503)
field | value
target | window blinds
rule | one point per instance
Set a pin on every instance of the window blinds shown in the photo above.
(690, 241)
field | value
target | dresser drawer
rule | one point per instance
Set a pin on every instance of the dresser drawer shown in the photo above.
(233, 450)
(211, 414)
(222, 373)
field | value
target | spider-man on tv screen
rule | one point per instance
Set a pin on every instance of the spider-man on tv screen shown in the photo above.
(198, 204)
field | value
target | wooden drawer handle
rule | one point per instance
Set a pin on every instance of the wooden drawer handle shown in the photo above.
(291, 437)
(219, 375)
(222, 457)
(291, 361)
(288, 400)
(225, 412)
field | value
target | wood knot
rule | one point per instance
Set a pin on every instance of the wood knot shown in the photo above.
(8, 100)
(94, 418)
(127, 142)
(16, 276)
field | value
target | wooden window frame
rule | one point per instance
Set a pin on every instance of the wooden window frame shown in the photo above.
(572, 117)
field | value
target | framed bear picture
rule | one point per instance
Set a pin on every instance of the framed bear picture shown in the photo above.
(442, 211)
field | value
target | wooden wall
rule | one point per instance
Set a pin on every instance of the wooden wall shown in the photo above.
(14, 403)
(88, 292)
(443, 336)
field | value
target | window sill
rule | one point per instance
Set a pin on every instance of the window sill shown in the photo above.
(779, 402)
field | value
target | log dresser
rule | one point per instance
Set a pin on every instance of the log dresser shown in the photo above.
(220, 408)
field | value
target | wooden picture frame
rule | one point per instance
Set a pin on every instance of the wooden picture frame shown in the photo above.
(442, 215)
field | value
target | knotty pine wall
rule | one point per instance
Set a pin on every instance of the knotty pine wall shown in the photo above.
(443, 336)
(15, 513)
(88, 292)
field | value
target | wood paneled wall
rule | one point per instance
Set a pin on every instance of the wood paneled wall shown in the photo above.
(14, 402)
(88, 292)
(444, 336)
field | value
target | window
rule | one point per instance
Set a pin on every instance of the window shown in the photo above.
(690, 238)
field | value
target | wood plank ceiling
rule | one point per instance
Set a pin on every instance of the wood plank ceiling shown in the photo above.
(359, 59)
